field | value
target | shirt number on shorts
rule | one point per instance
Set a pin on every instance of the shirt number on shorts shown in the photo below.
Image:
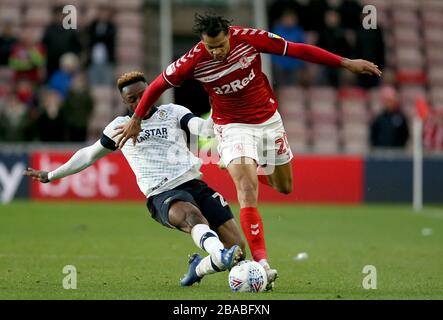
(283, 142)
(220, 197)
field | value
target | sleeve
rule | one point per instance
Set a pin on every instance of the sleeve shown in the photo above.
(263, 41)
(82, 159)
(107, 140)
(183, 69)
(183, 115)
(267, 42)
(192, 124)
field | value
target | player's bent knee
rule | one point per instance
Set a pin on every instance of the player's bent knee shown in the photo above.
(185, 216)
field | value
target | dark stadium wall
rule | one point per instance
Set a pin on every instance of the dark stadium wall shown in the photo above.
(12, 182)
(390, 180)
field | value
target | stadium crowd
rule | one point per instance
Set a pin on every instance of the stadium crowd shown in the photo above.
(48, 96)
(330, 110)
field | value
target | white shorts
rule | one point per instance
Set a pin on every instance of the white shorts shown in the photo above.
(266, 142)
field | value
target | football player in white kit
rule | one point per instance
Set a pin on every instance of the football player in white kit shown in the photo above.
(168, 174)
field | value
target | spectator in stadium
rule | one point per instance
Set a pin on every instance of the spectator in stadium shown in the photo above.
(227, 62)
(433, 132)
(15, 120)
(370, 45)
(77, 108)
(25, 92)
(332, 38)
(101, 47)
(390, 128)
(7, 41)
(58, 41)
(176, 197)
(27, 58)
(278, 7)
(350, 11)
(61, 79)
(287, 70)
(50, 122)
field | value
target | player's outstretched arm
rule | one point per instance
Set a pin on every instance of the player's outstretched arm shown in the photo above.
(82, 159)
(318, 55)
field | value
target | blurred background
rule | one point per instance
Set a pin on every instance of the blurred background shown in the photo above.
(58, 87)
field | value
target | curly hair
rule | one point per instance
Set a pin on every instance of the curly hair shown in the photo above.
(210, 24)
(129, 78)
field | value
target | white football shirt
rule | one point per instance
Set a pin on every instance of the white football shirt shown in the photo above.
(161, 159)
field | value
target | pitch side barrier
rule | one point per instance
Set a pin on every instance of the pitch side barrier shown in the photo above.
(341, 179)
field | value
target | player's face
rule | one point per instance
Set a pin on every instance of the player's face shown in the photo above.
(218, 47)
(132, 94)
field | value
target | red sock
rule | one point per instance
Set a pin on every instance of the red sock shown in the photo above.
(263, 179)
(252, 226)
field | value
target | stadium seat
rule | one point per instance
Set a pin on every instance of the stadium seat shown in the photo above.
(129, 19)
(132, 5)
(323, 112)
(404, 4)
(102, 94)
(352, 110)
(381, 5)
(434, 56)
(295, 127)
(292, 110)
(408, 97)
(405, 18)
(5, 74)
(10, 14)
(129, 36)
(326, 146)
(432, 18)
(432, 4)
(133, 54)
(436, 96)
(406, 36)
(322, 94)
(290, 93)
(433, 36)
(359, 147)
(37, 17)
(435, 76)
(409, 56)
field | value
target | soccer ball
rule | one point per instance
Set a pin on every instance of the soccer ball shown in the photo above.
(247, 276)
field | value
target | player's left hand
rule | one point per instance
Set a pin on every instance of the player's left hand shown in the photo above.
(361, 66)
(38, 175)
(130, 130)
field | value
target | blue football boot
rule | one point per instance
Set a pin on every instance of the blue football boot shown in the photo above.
(191, 277)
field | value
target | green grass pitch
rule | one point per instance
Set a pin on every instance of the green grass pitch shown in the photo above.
(121, 253)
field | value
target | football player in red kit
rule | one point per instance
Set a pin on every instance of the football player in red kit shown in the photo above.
(251, 138)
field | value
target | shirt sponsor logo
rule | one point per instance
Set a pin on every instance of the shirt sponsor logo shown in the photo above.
(153, 133)
(235, 85)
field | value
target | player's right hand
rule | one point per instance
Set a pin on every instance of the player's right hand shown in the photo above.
(38, 175)
(130, 129)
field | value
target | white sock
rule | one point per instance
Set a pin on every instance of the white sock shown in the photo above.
(206, 267)
(264, 263)
(208, 240)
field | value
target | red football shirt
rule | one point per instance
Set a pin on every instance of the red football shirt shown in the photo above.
(239, 91)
